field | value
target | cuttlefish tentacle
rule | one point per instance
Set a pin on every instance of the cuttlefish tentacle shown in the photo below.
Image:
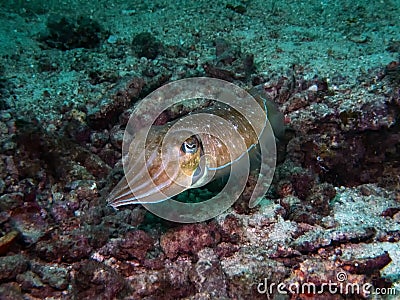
(167, 167)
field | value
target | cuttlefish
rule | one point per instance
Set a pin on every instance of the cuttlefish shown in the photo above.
(172, 163)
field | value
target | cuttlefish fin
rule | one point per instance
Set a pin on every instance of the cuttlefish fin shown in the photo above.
(275, 116)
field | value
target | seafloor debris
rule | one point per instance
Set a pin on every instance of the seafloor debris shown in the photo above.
(55, 206)
(333, 207)
(230, 63)
(65, 34)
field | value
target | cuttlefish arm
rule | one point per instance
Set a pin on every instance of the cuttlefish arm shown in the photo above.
(152, 177)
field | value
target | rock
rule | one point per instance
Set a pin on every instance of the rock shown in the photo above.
(101, 115)
(189, 239)
(208, 275)
(248, 268)
(318, 271)
(30, 220)
(367, 266)
(29, 280)
(65, 34)
(11, 201)
(57, 277)
(99, 139)
(178, 275)
(116, 136)
(7, 240)
(68, 248)
(11, 291)
(231, 229)
(226, 249)
(92, 280)
(230, 63)
(11, 266)
(314, 240)
(146, 45)
(134, 245)
(84, 190)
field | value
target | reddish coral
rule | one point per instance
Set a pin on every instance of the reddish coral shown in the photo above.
(367, 266)
(231, 230)
(92, 279)
(134, 245)
(189, 239)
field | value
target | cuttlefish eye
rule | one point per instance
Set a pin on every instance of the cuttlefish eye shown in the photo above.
(190, 146)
